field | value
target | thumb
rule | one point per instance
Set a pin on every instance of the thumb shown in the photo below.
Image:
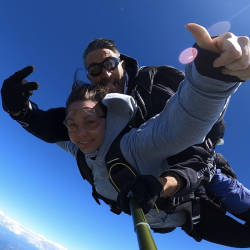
(202, 37)
(29, 86)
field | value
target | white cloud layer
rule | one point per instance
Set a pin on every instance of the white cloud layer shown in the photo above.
(27, 236)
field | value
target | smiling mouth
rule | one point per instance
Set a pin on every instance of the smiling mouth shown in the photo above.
(85, 142)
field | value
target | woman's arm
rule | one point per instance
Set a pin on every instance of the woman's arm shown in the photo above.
(186, 119)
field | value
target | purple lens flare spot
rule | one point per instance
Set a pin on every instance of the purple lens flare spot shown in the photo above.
(188, 55)
(219, 28)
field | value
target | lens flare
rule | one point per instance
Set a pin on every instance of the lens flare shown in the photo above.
(188, 55)
(219, 28)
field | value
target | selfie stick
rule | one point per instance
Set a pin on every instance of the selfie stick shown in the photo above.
(141, 227)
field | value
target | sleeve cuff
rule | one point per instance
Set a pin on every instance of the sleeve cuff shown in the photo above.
(204, 65)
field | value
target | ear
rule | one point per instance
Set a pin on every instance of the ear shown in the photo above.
(89, 77)
(123, 65)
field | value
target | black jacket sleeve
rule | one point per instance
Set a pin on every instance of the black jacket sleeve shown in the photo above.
(193, 166)
(45, 125)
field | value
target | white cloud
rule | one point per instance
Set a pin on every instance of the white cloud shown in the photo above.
(27, 235)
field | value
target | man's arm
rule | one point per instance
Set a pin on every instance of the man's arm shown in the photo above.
(46, 125)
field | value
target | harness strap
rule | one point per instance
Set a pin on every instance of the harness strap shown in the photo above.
(135, 94)
(196, 210)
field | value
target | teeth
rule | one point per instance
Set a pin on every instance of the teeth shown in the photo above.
(84, 142)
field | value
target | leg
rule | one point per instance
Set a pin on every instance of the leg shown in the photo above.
(234, 197)
(221, 229)
(245, 216)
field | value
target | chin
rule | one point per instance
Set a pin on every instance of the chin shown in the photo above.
(88, 151)
(115, 88)
(112, 89)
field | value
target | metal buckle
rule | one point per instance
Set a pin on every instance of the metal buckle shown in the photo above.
(177, 200)
(196, 219)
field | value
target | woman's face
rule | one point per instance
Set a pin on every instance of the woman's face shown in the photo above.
(87, 125)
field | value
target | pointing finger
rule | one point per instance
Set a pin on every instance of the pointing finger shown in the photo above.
(202, 37)
(21, 74)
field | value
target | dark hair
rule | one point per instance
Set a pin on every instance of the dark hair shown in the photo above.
(84, 91)
(217, 132)
(99, 43)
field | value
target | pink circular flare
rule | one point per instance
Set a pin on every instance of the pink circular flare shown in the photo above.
(188, 55)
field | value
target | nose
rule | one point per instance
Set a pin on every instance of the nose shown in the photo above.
(106, 73)
(81, 131)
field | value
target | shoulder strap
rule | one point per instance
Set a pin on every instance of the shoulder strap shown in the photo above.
(120, 171)
(88, 176)
(154, 86)
(145, 77)
(83, 167)
(165, 75)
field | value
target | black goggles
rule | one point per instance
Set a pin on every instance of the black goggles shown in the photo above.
(95, 69)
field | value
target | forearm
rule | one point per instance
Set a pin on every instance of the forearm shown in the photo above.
(190, 169)
(45, 125)
(171, 184)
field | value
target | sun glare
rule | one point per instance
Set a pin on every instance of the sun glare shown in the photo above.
(187, 55)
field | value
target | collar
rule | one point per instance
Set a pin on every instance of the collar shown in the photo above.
(126, 83)
(93, 155)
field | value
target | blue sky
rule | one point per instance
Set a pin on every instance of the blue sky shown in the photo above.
(40, 185)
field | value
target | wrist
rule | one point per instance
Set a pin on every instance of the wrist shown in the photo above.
(15, 114)
(204, 65)
(172, 183)
(18, 116)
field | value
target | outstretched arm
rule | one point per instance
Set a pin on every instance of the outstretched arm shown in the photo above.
(46, 125)
(190, 113)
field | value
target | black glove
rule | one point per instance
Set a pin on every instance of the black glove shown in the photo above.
(145, 188)
(16, 91)
(223, 165)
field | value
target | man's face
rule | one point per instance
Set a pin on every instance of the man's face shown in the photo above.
(114, 78)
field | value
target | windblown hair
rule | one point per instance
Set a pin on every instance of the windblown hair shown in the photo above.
(217, 132)
(84, 91)
(99, 43)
